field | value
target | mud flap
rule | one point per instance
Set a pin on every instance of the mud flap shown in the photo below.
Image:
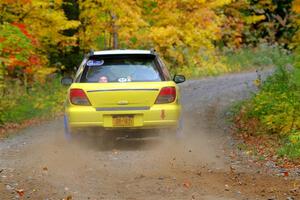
(67, 131)
(179, 130)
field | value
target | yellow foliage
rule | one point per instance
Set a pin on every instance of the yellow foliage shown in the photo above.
(181, 30)
(257, 82)
(42, 73)
(45, 20)
(254, 19)
(296, 6)
(99, 16)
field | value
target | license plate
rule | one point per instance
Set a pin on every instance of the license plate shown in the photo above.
(123, 120)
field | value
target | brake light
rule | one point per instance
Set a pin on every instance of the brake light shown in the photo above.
(78, 97)
(166, 95)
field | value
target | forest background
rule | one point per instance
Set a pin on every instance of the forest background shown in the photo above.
(40, 41)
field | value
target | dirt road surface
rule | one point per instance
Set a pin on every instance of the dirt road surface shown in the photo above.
(38, 163)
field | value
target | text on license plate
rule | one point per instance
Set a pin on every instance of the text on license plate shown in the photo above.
(123, 120)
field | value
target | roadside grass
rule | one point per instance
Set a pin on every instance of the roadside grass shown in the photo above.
(291, 147)
(275, 110)
(290, 150)
(236, 60)
(260, 57)
(40, 101)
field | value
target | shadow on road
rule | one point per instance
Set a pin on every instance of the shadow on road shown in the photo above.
(119, 140)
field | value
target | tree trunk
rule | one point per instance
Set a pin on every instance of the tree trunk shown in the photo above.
(114, 31)
(115, 40)
(2, 83)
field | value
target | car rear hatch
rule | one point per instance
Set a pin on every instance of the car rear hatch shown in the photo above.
(115, 96)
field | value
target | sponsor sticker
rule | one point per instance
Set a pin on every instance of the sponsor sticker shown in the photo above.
(122, 80)
(94, 63)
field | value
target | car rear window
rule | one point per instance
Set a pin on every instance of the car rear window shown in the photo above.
(122, 68)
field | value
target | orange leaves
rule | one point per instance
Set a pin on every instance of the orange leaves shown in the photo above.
(34, 60)
(187, 184)
(20, 192)
(296, 6)
(29, 66)
(22, 28)
(17, 51)
(37, 27)
(43, 22)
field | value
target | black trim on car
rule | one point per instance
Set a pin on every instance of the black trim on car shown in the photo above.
(158, 66)
(122, 108)
(113, 90)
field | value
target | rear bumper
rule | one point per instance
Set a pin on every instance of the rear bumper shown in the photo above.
(157, 116)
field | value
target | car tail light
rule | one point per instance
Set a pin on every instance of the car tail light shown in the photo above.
(78, 97)
(166, 95)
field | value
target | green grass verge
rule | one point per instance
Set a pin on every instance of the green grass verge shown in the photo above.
(275, 109)
(39, 101)
(260, 57)
(233, 60)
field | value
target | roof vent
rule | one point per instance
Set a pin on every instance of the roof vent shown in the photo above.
(153, 51)
(92, 52)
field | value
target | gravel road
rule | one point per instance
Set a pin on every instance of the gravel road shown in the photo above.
(38, 163)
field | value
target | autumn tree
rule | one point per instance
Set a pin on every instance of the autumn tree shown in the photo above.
(104, 20)
(16, 50)
(45, 20)
(71, 55)
(183, 31)
(256, 21)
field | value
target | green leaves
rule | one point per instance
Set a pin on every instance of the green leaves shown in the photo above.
(277, 104)
(275, 109)
(251, 22)
(15, 48)
(37, 103)
(12, 39)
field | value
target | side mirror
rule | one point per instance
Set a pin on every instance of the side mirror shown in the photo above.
(179, 79)
(66, 81)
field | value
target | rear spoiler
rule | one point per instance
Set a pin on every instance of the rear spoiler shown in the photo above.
(91, 52)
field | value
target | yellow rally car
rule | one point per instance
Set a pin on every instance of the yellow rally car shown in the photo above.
(122, 89)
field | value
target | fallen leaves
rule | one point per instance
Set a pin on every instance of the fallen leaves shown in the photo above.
(115, 151)
(10, 128)
(226, 187)
(20, 192)
(45, 168)
(285, 173)
(187, 184)
(68, 198)
(262, 150)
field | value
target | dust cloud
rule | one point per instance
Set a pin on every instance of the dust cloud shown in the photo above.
(118, 155)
